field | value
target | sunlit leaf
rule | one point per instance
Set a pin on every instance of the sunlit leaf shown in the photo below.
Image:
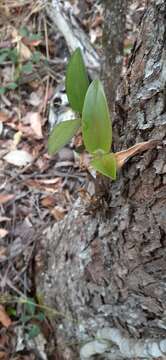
(96, 122)
(106, 165)
(62, 134)
(11, 311)
(77, 81)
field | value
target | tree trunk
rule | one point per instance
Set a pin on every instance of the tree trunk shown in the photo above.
(107, 268)
(113, 44)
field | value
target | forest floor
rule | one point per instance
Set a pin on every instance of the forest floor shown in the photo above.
(36, 190)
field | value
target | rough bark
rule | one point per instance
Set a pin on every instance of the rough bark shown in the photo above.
(108, 269)
(113, 39)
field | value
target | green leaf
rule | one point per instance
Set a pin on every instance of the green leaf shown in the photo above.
(30, 306)
(106, 165)
(36, 56)
(25, 318)
(77, 81)
(24, 31)
(4, 50)
(14, 56)
(11, 311)
(32, 37)
(2, 90)
(27, 68)
(11, 86)
(61, 134)
(96, 122)
(40, 316)
(34, 331)
(3, 57)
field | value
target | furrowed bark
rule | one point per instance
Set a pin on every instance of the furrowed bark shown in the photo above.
(106, 268)
(113, 44)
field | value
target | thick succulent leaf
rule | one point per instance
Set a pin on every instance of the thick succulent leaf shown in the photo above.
(77, 81)
(62, 134)
(96, 122)
(106, 165)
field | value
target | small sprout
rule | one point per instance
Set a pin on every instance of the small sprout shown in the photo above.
(90, 102)
(30, 315)
(27, 68)
(2, 90)
(96, 122)
(106, 165)
(62, 134)
(36, 56)
(24, 31)
(30, 306)
(3, 55)
(77, 81)
(11, 86)
(20, 67)
(33, 331)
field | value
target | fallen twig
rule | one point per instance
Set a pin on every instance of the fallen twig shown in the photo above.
(74, 36)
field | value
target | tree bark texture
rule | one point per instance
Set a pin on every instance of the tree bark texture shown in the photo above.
(113, 39)
(108, 269)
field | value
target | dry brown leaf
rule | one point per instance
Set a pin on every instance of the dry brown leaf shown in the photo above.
(50, 189)
(3, 233)
(5, 198)
(34, 99)
(3, 355)
(84, 161)
(24, 51)
(97, 21)
(41, 164)
(4, 339)
(35, 123)
(4, 317)
(48, 201)
(50, 185)
(18, 158)
(3, 116)
(3, 251)
(34, 120)
(50, 181)
(29, 42)
(25, 130)
(78, 140)
(123, 156)
(58, 213)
